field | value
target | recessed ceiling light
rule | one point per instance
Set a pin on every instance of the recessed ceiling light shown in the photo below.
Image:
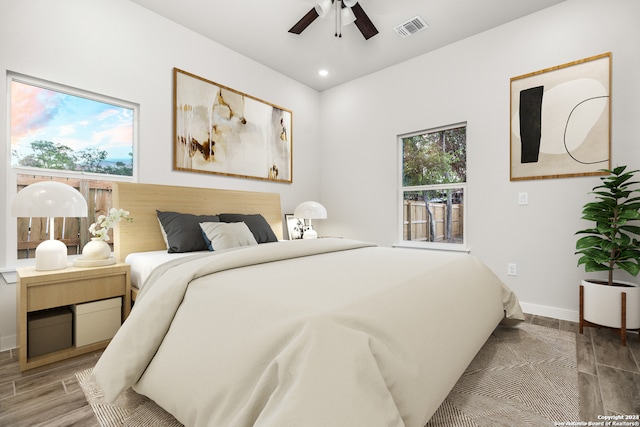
(323, 72)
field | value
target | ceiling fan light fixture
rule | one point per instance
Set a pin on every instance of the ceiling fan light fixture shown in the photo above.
(353, 14)
(347, 16)
(323, 7)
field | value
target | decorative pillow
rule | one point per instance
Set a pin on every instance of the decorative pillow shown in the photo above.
(223, 235)
(183, 231)
(256, 223)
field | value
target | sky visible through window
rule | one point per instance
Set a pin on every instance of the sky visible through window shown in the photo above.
(66, 120)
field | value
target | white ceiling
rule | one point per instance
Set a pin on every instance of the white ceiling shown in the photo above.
(258, 29)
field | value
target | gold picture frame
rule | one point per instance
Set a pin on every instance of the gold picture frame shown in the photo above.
(560, 120)
(219, 130)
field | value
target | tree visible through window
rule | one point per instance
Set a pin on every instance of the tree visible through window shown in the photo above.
(434, 175)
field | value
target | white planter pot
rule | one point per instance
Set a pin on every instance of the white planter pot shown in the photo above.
(602, 304)
(96, 249)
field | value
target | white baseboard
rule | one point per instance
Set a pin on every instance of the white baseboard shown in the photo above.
(555, 312)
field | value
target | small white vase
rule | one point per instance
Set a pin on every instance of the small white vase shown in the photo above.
(96, 249)
(602, 304)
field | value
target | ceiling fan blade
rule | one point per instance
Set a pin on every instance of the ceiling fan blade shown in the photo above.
(303, 23)
(363, 22)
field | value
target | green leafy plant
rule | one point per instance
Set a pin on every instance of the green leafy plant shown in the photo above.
(612, 243)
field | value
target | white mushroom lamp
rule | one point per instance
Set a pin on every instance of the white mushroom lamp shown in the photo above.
(49, 199)
(308, 211)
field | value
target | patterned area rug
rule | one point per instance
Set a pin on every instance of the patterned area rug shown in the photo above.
(523, 376)
(131, 409)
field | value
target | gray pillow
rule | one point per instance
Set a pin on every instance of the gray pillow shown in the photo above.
(183, 231)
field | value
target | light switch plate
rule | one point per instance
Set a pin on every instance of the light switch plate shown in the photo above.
(523, 198)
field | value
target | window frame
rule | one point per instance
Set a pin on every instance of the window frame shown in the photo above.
(81, 93)
(461, 247)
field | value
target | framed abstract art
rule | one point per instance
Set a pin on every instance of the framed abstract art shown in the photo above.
(222, 131)
(560, 120)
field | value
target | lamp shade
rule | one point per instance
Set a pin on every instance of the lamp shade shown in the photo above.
(310, 210)
(49, 199)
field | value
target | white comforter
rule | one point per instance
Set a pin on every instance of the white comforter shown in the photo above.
(269, 335)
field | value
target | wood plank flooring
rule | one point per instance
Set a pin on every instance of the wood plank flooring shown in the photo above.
(45, 396)
(608, 376)
(608, 373)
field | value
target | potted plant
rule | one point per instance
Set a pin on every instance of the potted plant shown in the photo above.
(97, 252)
(611, 244)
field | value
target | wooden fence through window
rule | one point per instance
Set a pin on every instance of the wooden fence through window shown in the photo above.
(416, 221)
(73, 232)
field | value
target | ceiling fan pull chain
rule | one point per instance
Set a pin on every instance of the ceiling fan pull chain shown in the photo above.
(338, 29)
(340, 18)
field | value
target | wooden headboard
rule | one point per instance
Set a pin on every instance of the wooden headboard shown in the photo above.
(142, 200)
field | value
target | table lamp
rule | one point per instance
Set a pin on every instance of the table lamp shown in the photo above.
(308, 211)
(49, 199)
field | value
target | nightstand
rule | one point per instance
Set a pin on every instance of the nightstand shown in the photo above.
(42, 290)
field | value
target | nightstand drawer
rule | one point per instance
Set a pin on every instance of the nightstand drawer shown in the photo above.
(75, 291)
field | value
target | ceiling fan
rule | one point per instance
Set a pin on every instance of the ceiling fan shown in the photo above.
(346, 12)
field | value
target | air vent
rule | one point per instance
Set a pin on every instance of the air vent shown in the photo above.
(411, 27)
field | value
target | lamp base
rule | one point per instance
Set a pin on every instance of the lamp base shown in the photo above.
(51, 255)
(310, 233)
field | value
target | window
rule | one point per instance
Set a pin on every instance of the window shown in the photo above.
(57, 128)
(65, 134)
(434, 175)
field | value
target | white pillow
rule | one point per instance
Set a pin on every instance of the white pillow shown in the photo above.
(226, 235)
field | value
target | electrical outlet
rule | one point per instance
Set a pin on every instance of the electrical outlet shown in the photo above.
(512, 269)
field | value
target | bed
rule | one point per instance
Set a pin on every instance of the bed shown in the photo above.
(326, 332)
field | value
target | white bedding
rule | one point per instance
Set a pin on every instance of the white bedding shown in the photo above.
(143, 263)
(329, 332)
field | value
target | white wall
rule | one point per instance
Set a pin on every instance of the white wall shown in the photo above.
(470, 81)
(116, 48)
